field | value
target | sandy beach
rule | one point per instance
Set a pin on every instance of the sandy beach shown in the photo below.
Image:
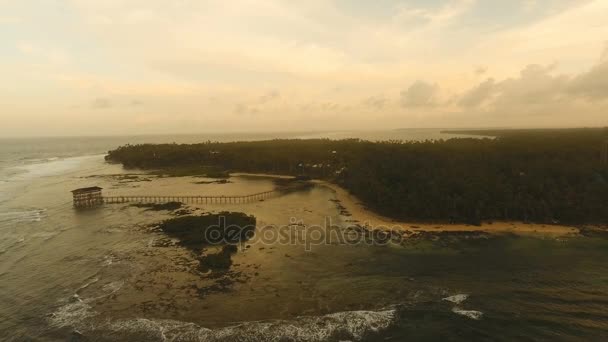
(372, 220)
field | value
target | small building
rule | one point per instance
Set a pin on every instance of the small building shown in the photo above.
(87, 197)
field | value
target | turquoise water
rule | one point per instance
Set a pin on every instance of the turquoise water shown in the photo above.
(104, 275)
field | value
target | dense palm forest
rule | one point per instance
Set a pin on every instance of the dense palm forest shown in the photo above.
(545, 176)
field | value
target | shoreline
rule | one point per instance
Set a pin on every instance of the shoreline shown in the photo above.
(372, 220)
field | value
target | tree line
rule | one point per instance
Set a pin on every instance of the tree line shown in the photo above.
(543, 176)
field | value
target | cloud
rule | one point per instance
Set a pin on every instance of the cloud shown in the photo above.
(432, 17)
(243, 109)
(539, 90)
(115, 103)
(239, 51)
(270, 96)
(51, 55)
(375, 102)
(604, 55)
(329, 106)
(250, 104)
(593, 84)
(535, 86)
(530, 5)
(478, 94)
(420, 94)
(101, 103)
(480, 70)
(240, 109)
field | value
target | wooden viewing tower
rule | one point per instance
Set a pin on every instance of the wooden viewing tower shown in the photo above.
(87, 197)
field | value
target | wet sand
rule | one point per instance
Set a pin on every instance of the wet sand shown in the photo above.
(372, 220)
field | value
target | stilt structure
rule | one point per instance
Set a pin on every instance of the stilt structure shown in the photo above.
(87, 197)
(191, 199)
(92, 197)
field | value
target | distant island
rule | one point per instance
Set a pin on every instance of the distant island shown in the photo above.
(544, 176)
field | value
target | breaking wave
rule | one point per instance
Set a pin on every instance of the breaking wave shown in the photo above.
(349, 325)
(456, 299)
(70, 314)
(459, 299)
(48, 167)
(33, 215)
(472, 314)
(77, 310)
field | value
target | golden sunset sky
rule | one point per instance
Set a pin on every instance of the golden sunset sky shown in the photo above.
(85, 67)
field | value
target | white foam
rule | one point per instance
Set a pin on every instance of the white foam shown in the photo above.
(472, 314)
(456, 299)
(459, 299)
(35, 215)
(352, 325)
(108, 260)
(71, 314)
(113, 287)
(87, 284)
(77, 310)
(44, 235)
(49, 167)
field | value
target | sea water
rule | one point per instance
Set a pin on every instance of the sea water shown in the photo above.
(103, 274)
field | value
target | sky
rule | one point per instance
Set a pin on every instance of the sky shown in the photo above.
(90, 67)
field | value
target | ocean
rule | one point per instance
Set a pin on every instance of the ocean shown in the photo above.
(106, 275)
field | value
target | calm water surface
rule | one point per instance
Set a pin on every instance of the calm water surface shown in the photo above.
(105, 275)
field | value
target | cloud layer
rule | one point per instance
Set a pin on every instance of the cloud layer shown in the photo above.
(167, 67)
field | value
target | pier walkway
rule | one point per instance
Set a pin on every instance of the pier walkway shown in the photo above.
(189, 199)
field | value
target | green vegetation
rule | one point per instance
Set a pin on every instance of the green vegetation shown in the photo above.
(538, 132)
(217, 174)
(210, 229)
(199, 232)
(221, 260)
(169, 206)
(178, 170)
(544, 176)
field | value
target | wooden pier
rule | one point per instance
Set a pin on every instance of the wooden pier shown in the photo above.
(190, 199)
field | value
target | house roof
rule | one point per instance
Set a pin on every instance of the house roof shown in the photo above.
(89, 189)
